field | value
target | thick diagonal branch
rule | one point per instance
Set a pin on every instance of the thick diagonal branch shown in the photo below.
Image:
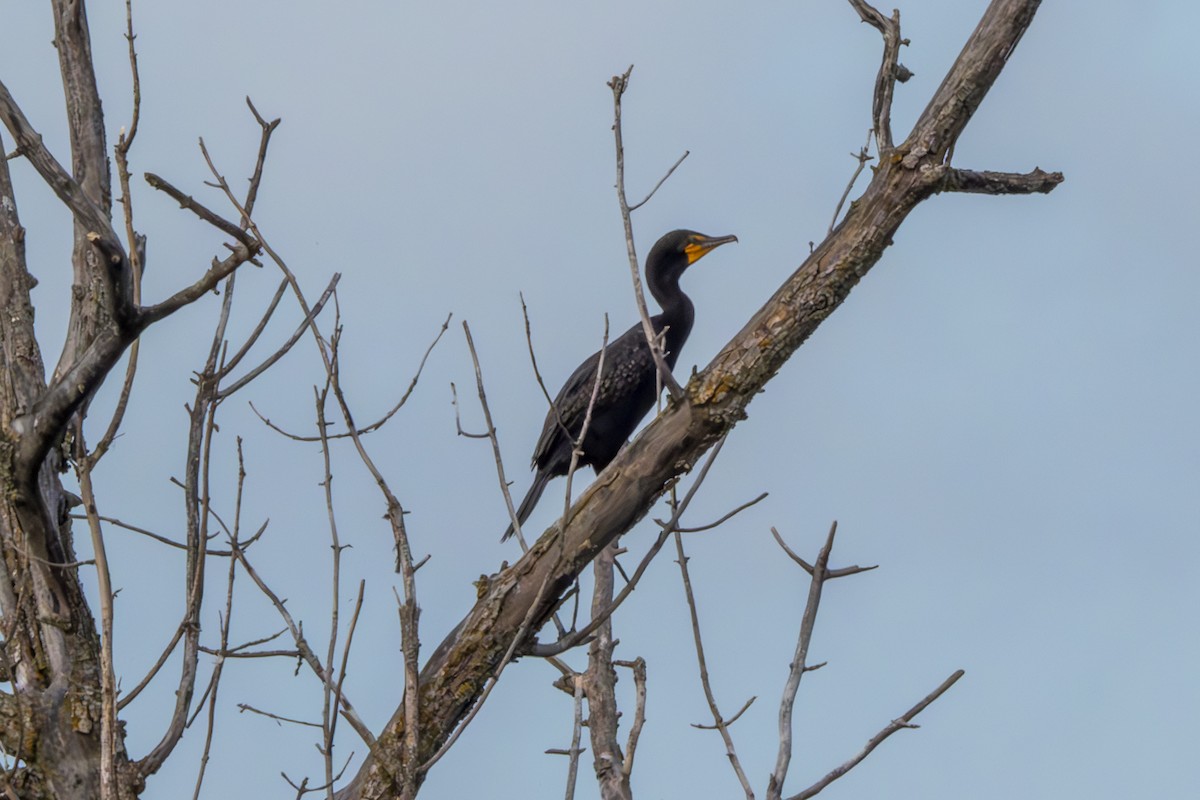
(716, 399)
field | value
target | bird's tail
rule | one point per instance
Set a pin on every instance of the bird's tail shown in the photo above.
(531, 499)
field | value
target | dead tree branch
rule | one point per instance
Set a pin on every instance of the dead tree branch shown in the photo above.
(904, 721)
(716, 399)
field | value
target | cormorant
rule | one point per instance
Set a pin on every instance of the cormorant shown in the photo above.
(629, 383)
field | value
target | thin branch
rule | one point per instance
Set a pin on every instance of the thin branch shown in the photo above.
(202, 211)
(162, 659)
(239, 650)
(256, 179)
(303, 788)
(171, 542)
(412, 384)
(135, 242)
(841, 572)
(720, 520)
(232, 362)
(904, 721)
(661, 181)
(619, 84)
(798, 666)
(328, 701)
(819, 572)
(217, 272)
(197, 502)
(265, 420)
(306, 653)
(342, 671)
(721, 724)
(246, 707)
(728, 722)
(108, 686)
(458, 428)
(576, 735)
(288, 654)
(537, 373)
(283, 349)
(863, 157)
(638, 667)
(577, 447)
(491, 435)
(226, 620)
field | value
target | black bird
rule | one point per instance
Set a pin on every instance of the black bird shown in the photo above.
(629, 383)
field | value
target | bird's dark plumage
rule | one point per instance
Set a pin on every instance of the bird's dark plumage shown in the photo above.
(629, 381)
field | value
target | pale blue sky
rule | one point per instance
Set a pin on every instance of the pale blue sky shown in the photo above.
(1001, 415)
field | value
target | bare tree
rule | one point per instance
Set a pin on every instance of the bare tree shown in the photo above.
(60, 724)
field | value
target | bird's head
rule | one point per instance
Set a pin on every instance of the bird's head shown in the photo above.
(678, 250)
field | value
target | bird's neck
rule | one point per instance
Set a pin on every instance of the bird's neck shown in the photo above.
(677, 316)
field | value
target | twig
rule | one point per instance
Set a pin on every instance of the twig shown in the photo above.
(256, 179)
(798, 666)
(412, 384)
(728, 722)
(576, 732)
(661, 181)
(277, 717)
(342, 671)
(306, 653)
(108, 686)
(829, 573)
(577, 448)
(820, 572)
(904, 721)
(328, 703)
(721, 724)
(458, 428)
(862, 157)
(283, 349)
(200, 210)
(197, 500)
(720, 520)
(226, 620)
(491, 435)
(537, 373)
(619, 84)
(135, 242)
(170, 542)
(303, 788)
(638, 667)
(231, 362)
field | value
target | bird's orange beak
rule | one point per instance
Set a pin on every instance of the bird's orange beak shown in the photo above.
(700, 246)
